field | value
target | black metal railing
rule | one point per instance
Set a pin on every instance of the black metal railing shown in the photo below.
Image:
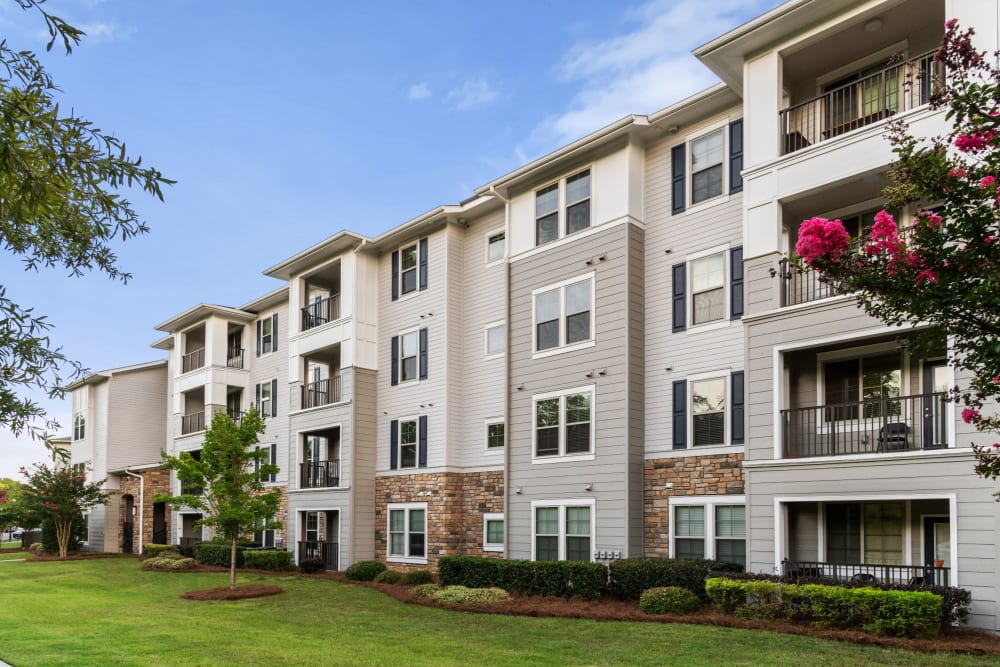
(235, 415)
(803, 285)
(328, 552)
(920, 575)
(192, 423)
(234, 357)
(319, 474)
(320, 312)
(895, 89)
(905, 423)
(160, 535)
(186, 545)
(321, 392)
(193, 360)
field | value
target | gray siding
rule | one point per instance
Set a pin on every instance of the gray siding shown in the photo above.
(263, 369)
(137, 420)
(362, 534)
(636, 383)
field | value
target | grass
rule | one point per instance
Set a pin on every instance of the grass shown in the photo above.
(109, 612)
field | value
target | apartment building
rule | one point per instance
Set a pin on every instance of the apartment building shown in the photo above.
(603, 354)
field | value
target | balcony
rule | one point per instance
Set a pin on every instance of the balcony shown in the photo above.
(320, 312)
(895, 89)
(192, 423)
(234, 357)
(319, 474)
(321, 392)
(328, 552)
(919, 575)
(903, 424)
(193, 360)
(235, 415)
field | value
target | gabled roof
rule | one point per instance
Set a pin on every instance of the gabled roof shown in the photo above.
(103, 376)
(200, 312)
(328, 248)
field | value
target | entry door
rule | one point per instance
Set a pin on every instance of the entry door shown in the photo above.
(937, 540)
(160, 523)
(127, 533)
(935, 431)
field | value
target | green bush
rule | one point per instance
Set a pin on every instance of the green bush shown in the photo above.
(426, 590)
(269, 560)
(557, 578)
(35, 548)
(365, 570)
(77, 534)
(163, 564)
(899, 613)
(416, 577)
(173, 555)
(461, 594)
(389, 577)
(628, 578)
(669, 600)
(312, 566)
(213, 553)
(154, 550)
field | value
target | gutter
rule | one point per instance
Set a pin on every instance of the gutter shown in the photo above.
(142, 488)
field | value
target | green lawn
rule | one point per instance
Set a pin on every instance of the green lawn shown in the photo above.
(107, 612)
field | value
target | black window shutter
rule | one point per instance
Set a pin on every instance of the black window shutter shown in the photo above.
(422, 441)
(257, 399)
(395, 275)
(393, 449)
(422, 362)
(274, 332)
(736, 283)
(394, 372)
(256, 460)
(736, 156)
(737, 411)
(423, 263)
(680, 414)
(680, 296)
(274, 397)
(678, 161)
(259, 324)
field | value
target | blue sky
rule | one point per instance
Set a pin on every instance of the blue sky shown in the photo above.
(284, 123)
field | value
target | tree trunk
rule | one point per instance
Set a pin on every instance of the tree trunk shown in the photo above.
(232, 566)
(63, 527)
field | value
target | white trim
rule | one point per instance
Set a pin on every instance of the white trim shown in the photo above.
(709, 503)
(487, 517)
(561, 286)
(593, 229)
(562, 205)
(486, 240)
(562, 505)
(689, 260)
(490, 421)
(689, 139)
(923, 535)
(486, 336)
(416, 244)
(298, 437)
(561, 395)
(727, 423)
(300, 530)
(416, 357)
(416, 444)
(405, 507)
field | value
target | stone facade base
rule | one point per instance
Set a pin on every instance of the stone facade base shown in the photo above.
(154, 481)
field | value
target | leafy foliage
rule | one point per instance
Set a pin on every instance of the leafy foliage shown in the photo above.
(365, 570)
(669, 600)
(219, 555)
(629, 577)
(164, 563)
(557, 578)
(461, 594)
(312, 566)
(62, 496)
(11, 513)
(154, 550)
(271, 559)
(389, 577)
(416, 577)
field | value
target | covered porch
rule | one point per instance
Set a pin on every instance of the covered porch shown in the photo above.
(319, 532)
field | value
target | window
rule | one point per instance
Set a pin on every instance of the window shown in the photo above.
(563, 423)
(712, 527)
(865, 532)
(701, 291)
(272, 458)
(494, 435)
(79, 468)
(564, 314)
(492, 532)
(267, 335)
(867, 387)
(265, 398)
(408, 532)
(707, 154)
(708, 277)
(702, 168)
(408, 357)
(408, 352)
(563, 530)
(79, 426)
(408, 443)
(708, 411)
(408, 269)
(496, 339)
(263, 537)
(575, 214)
(496, 246)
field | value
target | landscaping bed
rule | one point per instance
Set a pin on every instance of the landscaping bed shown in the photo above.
(239, 593)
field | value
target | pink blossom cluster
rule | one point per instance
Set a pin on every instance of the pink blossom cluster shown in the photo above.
(885, 235)
(51, 506)
(926, 276)
(987, 182)
(821, 238)
(971, 416)
(973, 142)
(931, 219)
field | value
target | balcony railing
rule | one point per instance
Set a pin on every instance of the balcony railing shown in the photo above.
(322, 392)
(328, 552)
(192, 423)
(235, 415)
(320, 312)
(193, 360)
(803, 285)
(920, 575)
(906, 423)
(319, 474)
(881, 95)
(234, 357)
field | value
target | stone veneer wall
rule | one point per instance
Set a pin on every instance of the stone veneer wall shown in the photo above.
(455, 511)
(714, 475)
(155, 481)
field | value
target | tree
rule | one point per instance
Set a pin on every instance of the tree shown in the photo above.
(62, 203)
(226, 481)
(944, 271)
(62, 495)
(10, 505)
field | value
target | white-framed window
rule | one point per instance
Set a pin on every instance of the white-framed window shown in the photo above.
(708, 288)
(709, 396)
(563, 316)
(493, 531)
(563, 529)
(496, 245)
(409, 267)
(79, 426)
(712, 527)
(563, 207)
(265, 399)
(495, 438)
(262, 537)
(408, 443)
(409, 346)
(862, 382)
(563, 424)
(496, 340)
(267, 334)
(272, 459)
(407, 531)
(707, 158)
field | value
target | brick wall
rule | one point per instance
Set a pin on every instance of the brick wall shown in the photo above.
(154, 481)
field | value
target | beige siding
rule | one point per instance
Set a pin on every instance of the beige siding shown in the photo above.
(263, 369)
(137, 420)
(636, 383)
(363, 449)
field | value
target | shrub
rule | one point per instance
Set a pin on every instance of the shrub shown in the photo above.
(365, 570)
(154, 550)
(77, 534)
(416, 577)
(269, 560)
(167, 564)
(213, 553)
(426, 590)
(35, 548)
(558, 578)
(669, 600)
(461, 594)
(899, 613)
(628, 578)
(171, 555)
(389, 577)
(312, 566)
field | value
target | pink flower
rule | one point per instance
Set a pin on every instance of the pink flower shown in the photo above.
(996, 379)
(957, 173)
(929, 218)
(987, 182)
(821, 238)
(885, 235)
(989, 239)
(970, 416)
(951, 23)
(971, 143)
(927, 275)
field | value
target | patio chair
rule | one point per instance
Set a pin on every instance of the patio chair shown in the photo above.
(893, 437)
(864, 578)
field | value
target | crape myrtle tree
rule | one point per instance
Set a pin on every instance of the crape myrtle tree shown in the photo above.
(10, 506)
(63, 183)
(61, 494)
(943, 271)
(226, 482)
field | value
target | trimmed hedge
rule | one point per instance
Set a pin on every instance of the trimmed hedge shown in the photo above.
(629, 577)
(669, 600)
(461, 594)
(269, 560)
(389, 577)
(899, 613)
(365, 570)
(557, 578)
(210, 553)
(312, 566)
(164, 564)
(154, 550)
(416, 578)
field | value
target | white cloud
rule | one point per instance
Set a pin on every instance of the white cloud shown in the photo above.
(104, 32)
(473, 94)
(419, 91)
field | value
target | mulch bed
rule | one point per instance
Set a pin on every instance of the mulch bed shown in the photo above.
(239, 593)
(48, 558)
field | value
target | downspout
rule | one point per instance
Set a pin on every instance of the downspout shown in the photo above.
(142, 488)
(507, 380)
